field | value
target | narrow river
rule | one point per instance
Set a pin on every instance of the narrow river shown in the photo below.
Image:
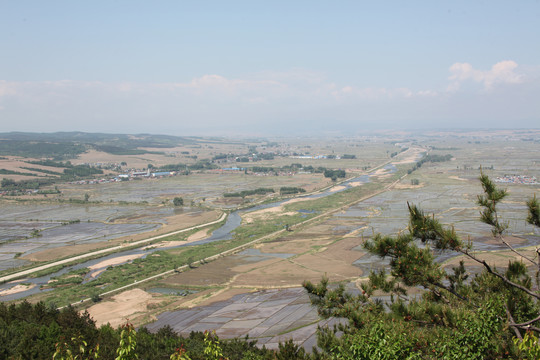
(225, 232)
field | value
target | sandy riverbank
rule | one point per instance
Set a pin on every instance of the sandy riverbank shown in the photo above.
(17, 289)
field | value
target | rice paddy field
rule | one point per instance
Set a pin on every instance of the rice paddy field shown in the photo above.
(330, 243)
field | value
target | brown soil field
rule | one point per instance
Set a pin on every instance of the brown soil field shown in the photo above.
(228, 201)
(313, 252)
(207, 297)
(499, 259)
(175, 222)
(214, 273)
(18, 177)
(14, 163)
(457, 178)
(121, 307)
(133, 161)
(279, 274)
(407, 186)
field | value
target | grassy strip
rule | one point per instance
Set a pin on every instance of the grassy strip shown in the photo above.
(46, 271)
(139, 269)
(336, 200)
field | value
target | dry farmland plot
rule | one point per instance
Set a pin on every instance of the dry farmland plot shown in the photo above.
(305, 254)
(17, 164)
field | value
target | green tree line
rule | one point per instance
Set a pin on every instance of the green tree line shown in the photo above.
(35, 331)
(244, 193)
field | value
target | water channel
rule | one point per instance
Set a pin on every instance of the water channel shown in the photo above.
(225, 232)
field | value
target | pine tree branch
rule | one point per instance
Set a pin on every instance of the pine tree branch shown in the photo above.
(517, 252)
(527, 322)
(511, 322)
(502, 277)
(538, 271)
(453, 292)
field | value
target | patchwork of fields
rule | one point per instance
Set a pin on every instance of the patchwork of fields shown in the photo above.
(239, 294)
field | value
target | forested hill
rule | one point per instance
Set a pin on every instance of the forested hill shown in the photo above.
(39, 332)
(66, 145)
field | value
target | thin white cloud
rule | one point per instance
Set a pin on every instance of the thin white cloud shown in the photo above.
(7, 88)
(262, 88)
(373, 94)
(277, 100)
(502, 72)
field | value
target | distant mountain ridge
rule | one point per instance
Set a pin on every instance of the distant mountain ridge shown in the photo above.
(64, 145)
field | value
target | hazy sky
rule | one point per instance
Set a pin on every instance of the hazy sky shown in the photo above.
(268, 67)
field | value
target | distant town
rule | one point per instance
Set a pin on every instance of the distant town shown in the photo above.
(517, 179)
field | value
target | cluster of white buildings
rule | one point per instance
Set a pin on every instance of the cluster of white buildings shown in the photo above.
(517, 179)
(128, 176)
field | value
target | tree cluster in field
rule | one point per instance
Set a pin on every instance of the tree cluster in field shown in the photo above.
(264, 169)
(430, 158)
(45, 171)
(221, 156)
(244, 193)
(203, 164)
(492, 315)
(39, 332)
(50, 163)
(80, 171)
(252, 156)
(23, 185)
(435, 158)
(334, 174)
(395, 153)
(49, 191)
(117, 150)
(288, 190)
(13, 172)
